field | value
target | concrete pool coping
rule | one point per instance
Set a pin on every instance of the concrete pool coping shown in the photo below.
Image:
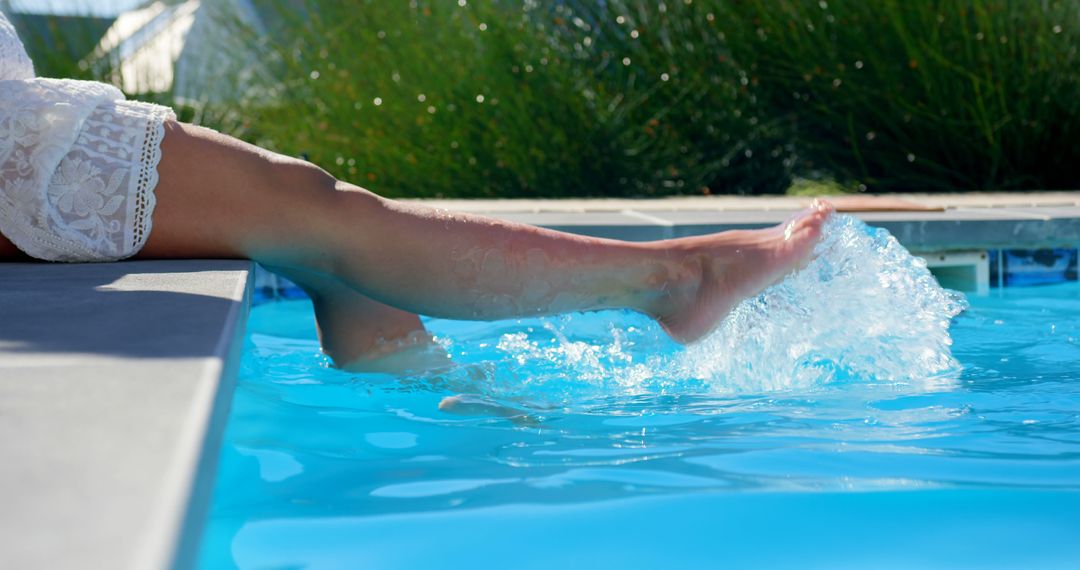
(967, 221)
(115, 379)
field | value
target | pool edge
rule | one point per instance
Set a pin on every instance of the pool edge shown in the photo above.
(115, 383)
(185, 532)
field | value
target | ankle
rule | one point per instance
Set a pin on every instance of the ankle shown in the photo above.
(677, 286)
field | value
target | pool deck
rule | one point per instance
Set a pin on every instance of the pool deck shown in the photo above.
(115, 378)
(980, 220)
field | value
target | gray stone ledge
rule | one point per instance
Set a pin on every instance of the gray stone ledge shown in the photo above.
(975, 221)
(979, 200)
(115, 381)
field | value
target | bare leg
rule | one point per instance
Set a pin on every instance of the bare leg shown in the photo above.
(363, 335)
(222, 198)
(357, 333)
(9, 252)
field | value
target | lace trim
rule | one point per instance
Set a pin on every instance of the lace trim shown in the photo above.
(143, 182)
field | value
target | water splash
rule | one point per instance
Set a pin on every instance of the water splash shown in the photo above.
(863, 310)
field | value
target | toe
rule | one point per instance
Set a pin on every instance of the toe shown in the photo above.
(823, 206)
(816, 216)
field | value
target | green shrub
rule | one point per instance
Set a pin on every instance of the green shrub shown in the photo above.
(527, 98)
(562, 114)
(679, 110)
(635, 97)
(58, 45)
(428, 99)
(918, 96)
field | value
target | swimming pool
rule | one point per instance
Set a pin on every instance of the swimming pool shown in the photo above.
(576, 445)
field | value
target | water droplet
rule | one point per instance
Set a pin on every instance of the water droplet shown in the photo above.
(479, 98)
(664, 77)
(910, 157)
(483, 27)
(462, 3)
(1057, 29)
(871, 135)
(824, 5)
(431, 109)
(377, 101)
(314, 74)
(626, 61)
(421, 97)
(858, 64)
(634, 34)
(620, 20)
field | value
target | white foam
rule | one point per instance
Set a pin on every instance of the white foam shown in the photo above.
(864, 309)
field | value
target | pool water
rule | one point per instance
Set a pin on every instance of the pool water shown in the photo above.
(592, 439)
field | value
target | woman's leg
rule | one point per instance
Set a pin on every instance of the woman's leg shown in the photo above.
(361, 334)
(356, 332)
(219, 197)
(9, 252)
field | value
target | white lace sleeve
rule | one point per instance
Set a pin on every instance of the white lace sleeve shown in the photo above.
(14, 63)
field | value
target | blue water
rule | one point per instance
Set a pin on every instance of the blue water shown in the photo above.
(868, 425)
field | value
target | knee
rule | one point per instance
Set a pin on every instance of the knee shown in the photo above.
(293, 174)
(306, 180)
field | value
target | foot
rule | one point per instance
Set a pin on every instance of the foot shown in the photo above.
(727, 267)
